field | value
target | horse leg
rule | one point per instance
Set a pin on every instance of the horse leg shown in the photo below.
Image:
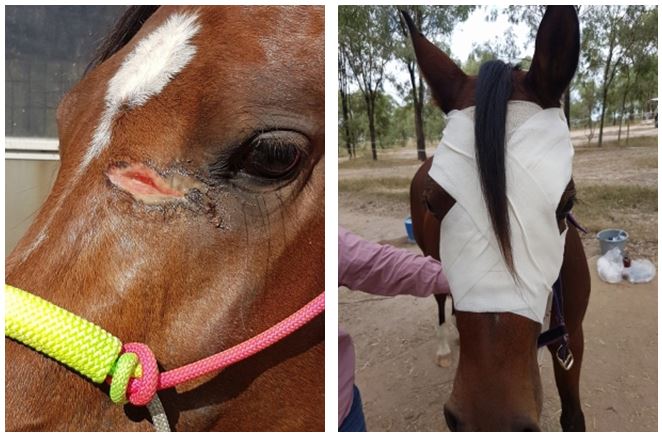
(567, 383)
(443, 334)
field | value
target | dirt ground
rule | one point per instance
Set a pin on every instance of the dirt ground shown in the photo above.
(402, 387)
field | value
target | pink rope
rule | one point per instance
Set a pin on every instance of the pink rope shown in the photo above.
(141, 391)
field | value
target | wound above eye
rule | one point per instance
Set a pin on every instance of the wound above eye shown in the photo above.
(148, 186)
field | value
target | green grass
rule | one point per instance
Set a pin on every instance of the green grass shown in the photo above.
(645, 162)
(623, 197)
(374, 184)
(380, 163)
(599, 207)
(641, 141)
(389, 188)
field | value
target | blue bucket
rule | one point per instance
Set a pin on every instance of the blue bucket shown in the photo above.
(410, 230)
(612, 238)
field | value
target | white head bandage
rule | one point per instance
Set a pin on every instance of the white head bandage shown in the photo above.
(538, 169)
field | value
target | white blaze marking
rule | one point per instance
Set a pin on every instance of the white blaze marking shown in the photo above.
(144, 73)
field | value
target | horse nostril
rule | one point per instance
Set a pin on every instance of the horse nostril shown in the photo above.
(451, 419)
(526, 425)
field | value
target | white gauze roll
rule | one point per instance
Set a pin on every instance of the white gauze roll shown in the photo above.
(538, 169)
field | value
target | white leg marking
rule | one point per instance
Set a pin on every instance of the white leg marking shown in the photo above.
(443, 345)
(443, 335)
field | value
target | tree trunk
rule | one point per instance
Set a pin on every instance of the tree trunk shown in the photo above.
(352, 132)
(620, 127)
(370, 105)
(620, 124)
(373, 138)
(605, 88)
(345, 121)
(590, 125)
(627, 134)
(602, 114)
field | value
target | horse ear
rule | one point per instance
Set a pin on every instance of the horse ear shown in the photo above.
(439, 71)
(557, 53)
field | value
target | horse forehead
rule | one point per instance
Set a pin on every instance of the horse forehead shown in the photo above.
(257, 21)
(178, 35)
(234, 40)
(227, 37)
(240, 37)
(158, 54)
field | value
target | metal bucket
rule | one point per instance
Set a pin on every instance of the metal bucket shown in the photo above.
(409, 227)
(610, 238)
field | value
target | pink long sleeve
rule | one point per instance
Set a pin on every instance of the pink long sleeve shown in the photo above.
(386, 270)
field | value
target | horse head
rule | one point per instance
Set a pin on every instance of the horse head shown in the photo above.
(187, 214)
(503, 170)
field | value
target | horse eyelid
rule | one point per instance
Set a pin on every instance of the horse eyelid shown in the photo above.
(230, 160)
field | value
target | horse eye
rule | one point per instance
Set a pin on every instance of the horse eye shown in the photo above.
(567, 207)
(274, 155)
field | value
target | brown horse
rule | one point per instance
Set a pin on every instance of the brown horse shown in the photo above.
(497, 384)
(188, 214)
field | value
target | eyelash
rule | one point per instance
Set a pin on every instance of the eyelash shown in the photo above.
(252, 157)
(287, 154)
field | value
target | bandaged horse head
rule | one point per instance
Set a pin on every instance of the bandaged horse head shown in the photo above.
(502, 187)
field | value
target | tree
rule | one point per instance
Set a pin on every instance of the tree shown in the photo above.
(478, 56)
(529, 15)
(643, 88)
(364, 38)
(584, 107)
(343, 90)
(640, 65)
(505, 50)
(433, 22)
(610, 35)
(625, 83)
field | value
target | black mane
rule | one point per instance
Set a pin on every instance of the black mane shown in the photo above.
(126, 27)
(493, 90)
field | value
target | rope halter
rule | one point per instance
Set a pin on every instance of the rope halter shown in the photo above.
(131, 369)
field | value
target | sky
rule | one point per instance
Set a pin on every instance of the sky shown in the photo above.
(475, 31)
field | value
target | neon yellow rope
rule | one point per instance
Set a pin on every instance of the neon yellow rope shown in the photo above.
(59, 334)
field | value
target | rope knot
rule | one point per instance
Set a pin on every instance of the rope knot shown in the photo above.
(127, 379)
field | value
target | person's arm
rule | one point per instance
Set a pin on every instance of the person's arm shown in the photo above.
(386, 270)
